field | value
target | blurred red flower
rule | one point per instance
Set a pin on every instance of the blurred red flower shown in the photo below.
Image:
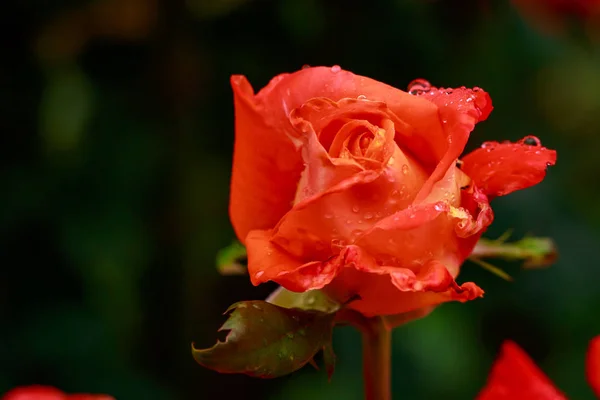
(515, 376)
(39, 392)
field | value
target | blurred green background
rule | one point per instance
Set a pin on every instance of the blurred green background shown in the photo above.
(116, 120)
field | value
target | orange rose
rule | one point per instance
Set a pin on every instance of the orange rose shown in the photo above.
(346, 184)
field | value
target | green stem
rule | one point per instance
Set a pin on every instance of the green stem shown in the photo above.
(377, 354)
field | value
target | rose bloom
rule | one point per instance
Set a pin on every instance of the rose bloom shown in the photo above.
(515, 376)
(346, 184)
(39, 392)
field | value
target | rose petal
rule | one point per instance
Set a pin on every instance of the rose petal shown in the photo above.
(266, 166)
(335, 120)
(592, 368)
(459, 111)
(515, 376)
(289, 91)
(326, 222)
(501, 168)
(384, 290)
(436, 229)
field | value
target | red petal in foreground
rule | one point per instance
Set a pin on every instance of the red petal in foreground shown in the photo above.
(39, 392)
(501, 168)
(515, 376)
(35, 392)
(592, 367)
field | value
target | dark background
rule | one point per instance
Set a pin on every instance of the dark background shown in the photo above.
(116, 120)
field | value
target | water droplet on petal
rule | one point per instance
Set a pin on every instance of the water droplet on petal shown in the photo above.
(368, 215)
(328, 216)
(419, 86)
(355, 209)
(338, 243)
(438, 207)
(489, 145)
(530, 141)
(336, 68)
(305, 66)
(356, 232)
(361, 97)
(405, 169)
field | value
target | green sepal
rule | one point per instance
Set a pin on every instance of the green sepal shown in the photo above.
(268, 341)
(314, 300)
(535, 252)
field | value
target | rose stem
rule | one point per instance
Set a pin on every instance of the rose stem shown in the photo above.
(377, 353)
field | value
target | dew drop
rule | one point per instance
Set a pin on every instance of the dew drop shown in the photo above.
(259, 274)
(328, 216)
(361, 97)
(405, 169)
(438, 207)
(338, 243)
(336, 68)
(355, 209)
(530, 141)
(402, 191)
(419, 86)
(305, 66)
(356, 232)
(348, 221)
(368, 216)
(489, 145)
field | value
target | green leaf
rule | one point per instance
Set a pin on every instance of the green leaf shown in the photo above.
(533, 251)
(311, 300)
(231, 260)
(268, 341)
